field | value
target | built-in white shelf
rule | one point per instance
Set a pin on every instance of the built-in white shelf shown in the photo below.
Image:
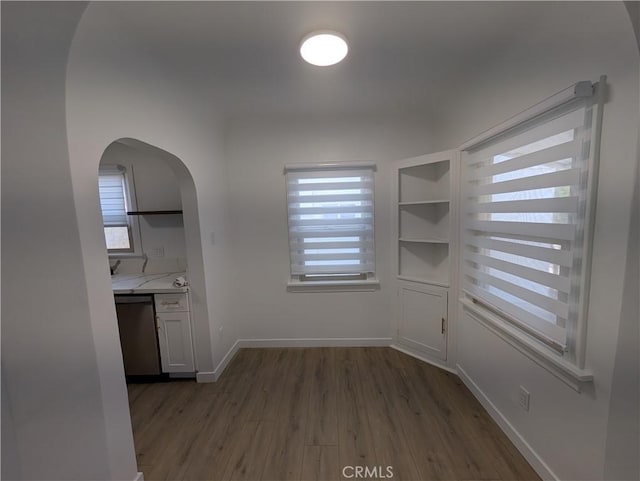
(424, 182)
(424, 202)
(425, 241)
(424, 226)
(428, 261)
(431, 282)
(424, 221)
(425, 218)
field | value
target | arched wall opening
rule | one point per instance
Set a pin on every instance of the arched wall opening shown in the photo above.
(193, 244)
(116, 92)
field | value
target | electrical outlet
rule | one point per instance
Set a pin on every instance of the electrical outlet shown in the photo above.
(156, 252)
(523, 398)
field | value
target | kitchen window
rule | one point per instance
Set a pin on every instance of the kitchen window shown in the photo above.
(527, 206)
(115, 200)
(331, 224)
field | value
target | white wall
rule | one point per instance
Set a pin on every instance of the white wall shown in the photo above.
(52, 390)
(623, 432)
(115, 90)
(64, 396)
(567, 430)
(257, 151)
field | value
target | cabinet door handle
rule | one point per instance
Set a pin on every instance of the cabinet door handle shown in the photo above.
(158, 323)
(443, 321)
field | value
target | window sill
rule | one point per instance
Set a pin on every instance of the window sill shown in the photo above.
(537, 352)
(368, 285)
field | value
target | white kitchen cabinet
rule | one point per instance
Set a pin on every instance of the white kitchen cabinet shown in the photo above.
(422, 323)
(174, 333)
(178, 302)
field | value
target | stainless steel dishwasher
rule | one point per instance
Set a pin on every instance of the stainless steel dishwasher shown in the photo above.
(138, 337)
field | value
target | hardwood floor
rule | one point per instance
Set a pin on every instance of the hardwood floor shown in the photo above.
(305, 414)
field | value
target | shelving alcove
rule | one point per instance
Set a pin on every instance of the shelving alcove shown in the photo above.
(425, 211)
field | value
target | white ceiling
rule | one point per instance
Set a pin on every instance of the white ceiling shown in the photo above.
(404, 56)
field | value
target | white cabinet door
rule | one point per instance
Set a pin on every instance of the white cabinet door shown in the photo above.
(174, 336)
(423, 319)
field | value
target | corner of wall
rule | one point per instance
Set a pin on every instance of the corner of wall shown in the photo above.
(622, 460)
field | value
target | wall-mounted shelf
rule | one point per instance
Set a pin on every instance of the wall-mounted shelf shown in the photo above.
(424, 202)
(155, 212)
(425, 241)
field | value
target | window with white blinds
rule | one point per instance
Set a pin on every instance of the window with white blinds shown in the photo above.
(524, 205)
(331, 215)
(113, 203)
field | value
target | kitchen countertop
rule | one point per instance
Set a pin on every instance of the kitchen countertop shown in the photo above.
(146, 283)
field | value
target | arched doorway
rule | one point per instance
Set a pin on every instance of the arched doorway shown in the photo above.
(127, 150)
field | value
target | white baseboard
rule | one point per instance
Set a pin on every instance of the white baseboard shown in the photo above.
(213, 376)
(516, 438)
(139, 477)
(420, 357)
(206, 376)
(316, 342)
(222, 365)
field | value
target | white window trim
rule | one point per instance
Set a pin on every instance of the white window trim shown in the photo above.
(367, 285)
(134, 222)
(572, 372)
(371, 283)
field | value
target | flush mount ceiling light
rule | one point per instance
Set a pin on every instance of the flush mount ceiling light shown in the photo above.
(323, 48)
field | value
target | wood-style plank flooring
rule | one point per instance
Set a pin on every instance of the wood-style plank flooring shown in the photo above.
(304, 414)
